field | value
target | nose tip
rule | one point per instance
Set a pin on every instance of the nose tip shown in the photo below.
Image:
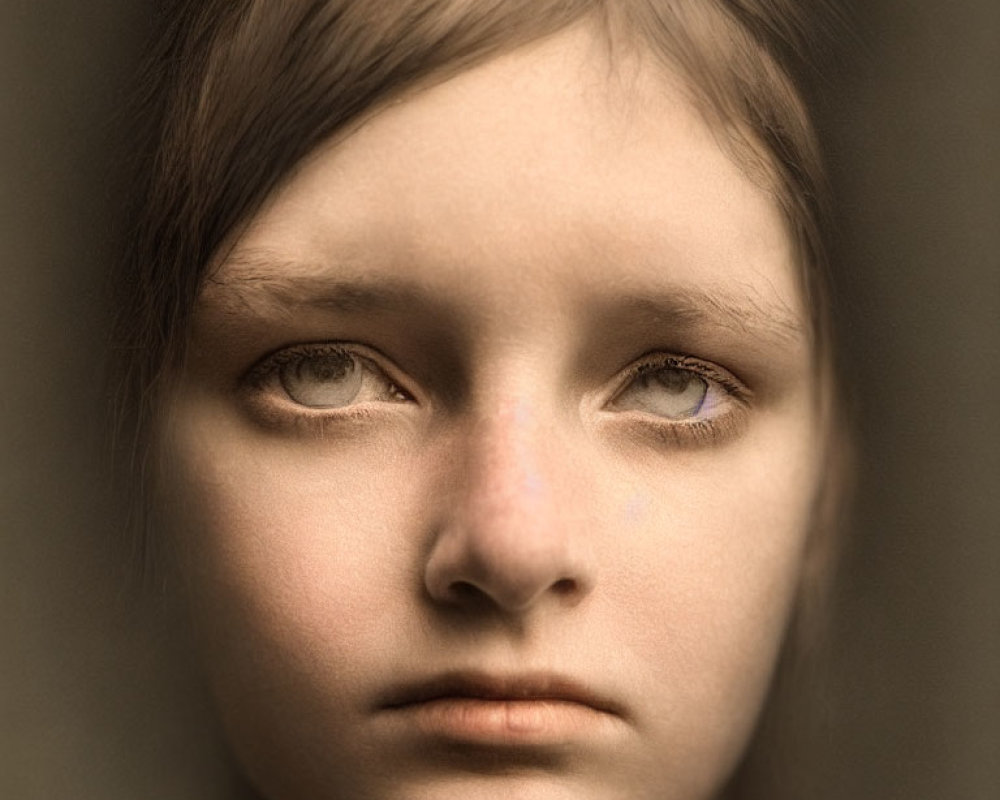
(467, 568)
(511, 533)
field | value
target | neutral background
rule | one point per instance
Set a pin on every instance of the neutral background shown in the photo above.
(96, 702)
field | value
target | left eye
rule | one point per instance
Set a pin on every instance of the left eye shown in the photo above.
(326, 377)
(675, 390)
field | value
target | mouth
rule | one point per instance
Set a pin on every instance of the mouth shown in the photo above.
(495, 710)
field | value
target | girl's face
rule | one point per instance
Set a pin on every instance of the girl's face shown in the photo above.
(492, 461)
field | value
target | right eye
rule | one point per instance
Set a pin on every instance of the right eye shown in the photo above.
(326, 377)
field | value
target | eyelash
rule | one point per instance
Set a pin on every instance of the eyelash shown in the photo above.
(264, 378)
(719, 426)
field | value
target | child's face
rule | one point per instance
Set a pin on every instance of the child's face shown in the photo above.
(493, 458)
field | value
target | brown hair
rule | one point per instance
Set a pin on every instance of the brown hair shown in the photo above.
(237, 92)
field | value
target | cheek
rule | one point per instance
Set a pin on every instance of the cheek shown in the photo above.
(306, 570)
(708, 581)
(300, 571)
(298, 560)
(291, 543)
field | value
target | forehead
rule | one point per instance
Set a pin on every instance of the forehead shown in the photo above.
(557, 166)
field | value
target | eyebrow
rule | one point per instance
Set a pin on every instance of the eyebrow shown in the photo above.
(260, 283)
(250, 282)
(688, 307)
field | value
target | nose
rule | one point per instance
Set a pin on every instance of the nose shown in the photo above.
(513, 535)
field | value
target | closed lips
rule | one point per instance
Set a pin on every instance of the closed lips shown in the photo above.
(536, 687)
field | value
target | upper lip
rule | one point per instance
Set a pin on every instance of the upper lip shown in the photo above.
(486, 686)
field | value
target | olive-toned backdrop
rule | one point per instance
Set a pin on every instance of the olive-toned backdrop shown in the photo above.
(97, 703)
(916, 161)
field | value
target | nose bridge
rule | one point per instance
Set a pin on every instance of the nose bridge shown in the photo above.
(509, 535)
(506, 466)
(511, 510)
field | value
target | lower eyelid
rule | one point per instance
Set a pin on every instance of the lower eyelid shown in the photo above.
(286, 415)
(649, 429)
(283, 413)
(715, 428)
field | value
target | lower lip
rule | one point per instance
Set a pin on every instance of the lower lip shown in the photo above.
(503, 721)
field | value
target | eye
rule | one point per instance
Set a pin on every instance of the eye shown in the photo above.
(325, 376)
(680, 389)
(667, 392)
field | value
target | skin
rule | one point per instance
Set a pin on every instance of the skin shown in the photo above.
(513, 241)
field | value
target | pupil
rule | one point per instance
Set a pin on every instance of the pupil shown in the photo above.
(327, 368)
(674, 380)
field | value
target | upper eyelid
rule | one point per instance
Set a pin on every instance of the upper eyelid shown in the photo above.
(264, 368)
(730, 382)
(688, 432)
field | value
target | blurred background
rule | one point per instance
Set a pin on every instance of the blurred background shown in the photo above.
(97, 701)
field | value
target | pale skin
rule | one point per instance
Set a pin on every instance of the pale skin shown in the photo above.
(449, 469)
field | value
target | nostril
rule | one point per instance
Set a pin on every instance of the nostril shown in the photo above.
(462, 591)
(468, 593)
(495, 564)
